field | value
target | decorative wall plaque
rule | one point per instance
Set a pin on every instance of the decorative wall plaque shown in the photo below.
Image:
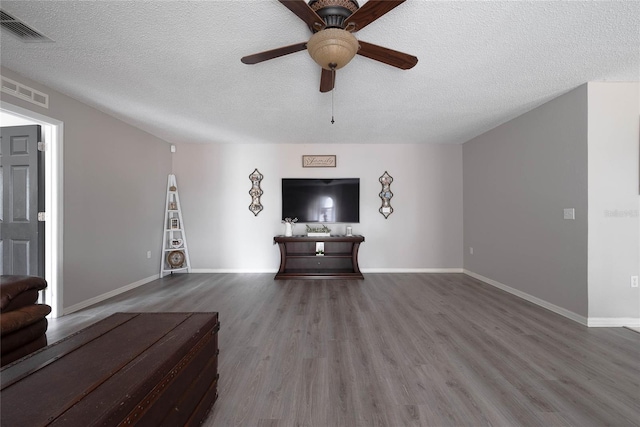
(319, 161)
(255, 192)
(386, 195)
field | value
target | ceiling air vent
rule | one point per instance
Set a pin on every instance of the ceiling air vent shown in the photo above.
(20, 29)
(14, 88)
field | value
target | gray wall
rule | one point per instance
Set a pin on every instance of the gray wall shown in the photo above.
(518, 178)
(514, 181)
(423, 233)
(114, 189)
(114, 193)
(614, 230)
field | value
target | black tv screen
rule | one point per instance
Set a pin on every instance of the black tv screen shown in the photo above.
(321, 200)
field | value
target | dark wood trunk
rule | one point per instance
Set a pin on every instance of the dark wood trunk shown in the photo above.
(147, 368)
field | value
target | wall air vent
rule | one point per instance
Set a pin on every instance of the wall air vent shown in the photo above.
(20, 29)
(24, 92)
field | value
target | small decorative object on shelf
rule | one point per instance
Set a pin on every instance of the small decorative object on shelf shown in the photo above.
(173, 188)
(176, 243)
(289, 225)
(386, 195)
(174, 223)
(319, 248)
(323, 231)
(173, 206)
(256, 177)
(175, 259)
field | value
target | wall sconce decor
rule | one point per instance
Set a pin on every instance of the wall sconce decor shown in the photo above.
(386, 195)
(255, 192)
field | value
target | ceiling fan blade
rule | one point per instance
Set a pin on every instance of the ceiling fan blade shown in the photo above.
(327, 80)
(302, 10)
(275, 53)
(391, 57)
(369, 12)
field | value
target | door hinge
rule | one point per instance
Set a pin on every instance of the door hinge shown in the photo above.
(42, 216)
(42, 146)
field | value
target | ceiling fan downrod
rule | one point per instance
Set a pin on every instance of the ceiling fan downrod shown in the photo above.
(334, 12)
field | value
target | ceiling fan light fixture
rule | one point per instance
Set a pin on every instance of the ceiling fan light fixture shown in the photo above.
(332, 48)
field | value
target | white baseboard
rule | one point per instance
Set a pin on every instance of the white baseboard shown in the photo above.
(113, 293)
(613, 322)
(232, 270)
(542, 303)
(412, 270)
(363, 270)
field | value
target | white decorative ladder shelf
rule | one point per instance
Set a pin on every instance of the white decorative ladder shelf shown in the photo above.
(175, 252)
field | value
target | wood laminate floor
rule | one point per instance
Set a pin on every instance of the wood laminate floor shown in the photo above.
(395, 350)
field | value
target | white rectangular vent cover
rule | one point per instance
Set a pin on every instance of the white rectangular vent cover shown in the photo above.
(20, 29)
(24, 92)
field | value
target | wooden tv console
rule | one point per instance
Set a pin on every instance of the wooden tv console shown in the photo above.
(298, 258)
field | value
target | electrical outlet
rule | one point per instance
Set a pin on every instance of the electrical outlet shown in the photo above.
(470, 250)
(634, 281)
(569, 213)
(148, 254)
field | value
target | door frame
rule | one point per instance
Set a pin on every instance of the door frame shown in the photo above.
(52, 134)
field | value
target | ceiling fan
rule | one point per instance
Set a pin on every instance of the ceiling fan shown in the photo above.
(332, 44)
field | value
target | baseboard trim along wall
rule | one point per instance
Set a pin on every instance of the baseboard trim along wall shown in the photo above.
(412, 270)
(542, 303)
(613, 322)
(363, 270)
(113, 293)
(231, 271)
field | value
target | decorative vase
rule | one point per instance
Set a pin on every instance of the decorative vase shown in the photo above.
(288, 229)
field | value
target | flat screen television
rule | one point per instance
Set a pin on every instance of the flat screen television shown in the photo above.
(321, 200)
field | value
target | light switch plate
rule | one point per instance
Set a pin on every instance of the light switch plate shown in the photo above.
(569, 213)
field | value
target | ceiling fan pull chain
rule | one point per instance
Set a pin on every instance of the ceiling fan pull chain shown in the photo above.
(333, 77)
(332, 121)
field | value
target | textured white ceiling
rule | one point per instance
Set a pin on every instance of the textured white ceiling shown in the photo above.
(173, 68)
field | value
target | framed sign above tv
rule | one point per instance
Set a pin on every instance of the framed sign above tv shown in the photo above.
(319, 161)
